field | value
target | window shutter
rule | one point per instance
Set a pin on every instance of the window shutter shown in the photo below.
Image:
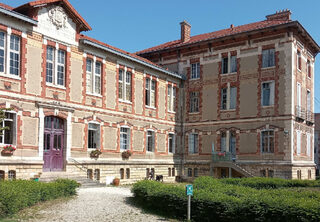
(298, 142)
(196, 144)
(271, 58)
(233, 97)
(271, 93)
(264, 58)
(191, 142)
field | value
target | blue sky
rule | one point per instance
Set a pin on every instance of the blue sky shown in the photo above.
(136, 25)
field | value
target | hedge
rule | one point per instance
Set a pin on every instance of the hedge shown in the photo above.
(18, 194)
(214, 200)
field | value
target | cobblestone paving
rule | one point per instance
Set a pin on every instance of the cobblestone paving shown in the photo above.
(97, 204)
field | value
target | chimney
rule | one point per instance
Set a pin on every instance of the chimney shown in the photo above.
(231, 26)
(185, 31)
(280, 15)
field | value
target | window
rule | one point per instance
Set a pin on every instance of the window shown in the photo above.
(96, 174)
(173, 172)
(228, 98)
(232, 142)
(223, 142)
(195, 70)
(55, 68)
(309, 68)
(147, 172)
(171, 143)
(189, 172)
(195, 172)
(298, 94)
(298, 142)
(308, 100)
(89, 174)
(124, 90)
(93, 78)
(267, 141)
(193, 143)
(229, 64)
(268, 58)
(150, 141)
(309, 175)
(124, 138)
(267, 94)
(2, 175)
(299, 174)
(8, 135)
(299, 60)
(150, 92)
(169, 172)
(121, 173)
(127, 173)
(94, 136)
(194, 102)
(308, 144)
(11, 175)
(171, 98)
(9, 65)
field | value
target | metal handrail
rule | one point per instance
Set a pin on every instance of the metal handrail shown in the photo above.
(81, 167)
(300, 112)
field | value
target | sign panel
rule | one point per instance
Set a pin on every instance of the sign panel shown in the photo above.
(189, 189)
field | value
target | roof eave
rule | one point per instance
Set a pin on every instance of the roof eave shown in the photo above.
(18, 16)
(126, 56)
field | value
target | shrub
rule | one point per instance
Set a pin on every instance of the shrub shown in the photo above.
(218, 200)
(18, 194)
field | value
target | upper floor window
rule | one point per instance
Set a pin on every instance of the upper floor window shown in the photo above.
(124, 138)
(93, 78)
(171, 143)
(194, 102)
(193, 143)
(150, 141)
(171, 98)
(308, 100)
(125, 91)
(309, 68)
(267, 141)
(228, 98)
(267, 94)
(228, 136)
(94, 136)
(299, 60)
(55, 66)
(195, 70)
(9, 123)
(268, 58)
(150, 92)
(229, 64)
(308, 144)
(9, 65)
(298, 142)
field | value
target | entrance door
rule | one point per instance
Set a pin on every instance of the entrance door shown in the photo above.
(53, 144)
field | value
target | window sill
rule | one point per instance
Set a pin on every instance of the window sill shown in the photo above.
(93, 94)
(150, 107)
(266, 107)
(124, 101)
(229, 73)
(10, 76)
(194, 113)
(227, 110)
(194, 79)
(193, 154)
(55, 86)
(172, 112)
(269, 67)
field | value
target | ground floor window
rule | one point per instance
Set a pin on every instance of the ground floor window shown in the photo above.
(189, 172)
(9, 123)
(93, 136)
(299, 174)
(97, 174)
(173, 172)
(12, 175)
(128, 173)
(124, 138)
(309, 175)
(150, 141)
(169, 172)
(121, 173)
(147, 172)
(2, 175)
(195, 172)
(89, 174)
(267, 141)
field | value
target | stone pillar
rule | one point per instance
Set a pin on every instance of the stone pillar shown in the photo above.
(41, 131)
(69, 135)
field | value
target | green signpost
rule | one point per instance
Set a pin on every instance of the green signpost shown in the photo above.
(189, 192)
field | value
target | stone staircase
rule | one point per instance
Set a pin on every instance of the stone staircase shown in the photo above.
(242, 170)
(82, 179)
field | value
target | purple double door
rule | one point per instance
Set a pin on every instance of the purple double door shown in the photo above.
(53, 144)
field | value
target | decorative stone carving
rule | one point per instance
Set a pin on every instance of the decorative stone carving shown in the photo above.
(58, 17)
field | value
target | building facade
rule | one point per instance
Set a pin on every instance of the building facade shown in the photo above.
(237, 102)
(317, 142)
(248, 98)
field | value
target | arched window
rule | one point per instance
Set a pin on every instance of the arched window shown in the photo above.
(128, 173)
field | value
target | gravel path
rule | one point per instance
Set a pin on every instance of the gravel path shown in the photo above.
(97, 204)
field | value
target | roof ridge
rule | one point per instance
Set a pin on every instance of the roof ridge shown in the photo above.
(6, 6)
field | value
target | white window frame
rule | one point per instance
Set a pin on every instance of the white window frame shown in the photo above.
(298, 133)
(228, 98)
(172, 93)
(152, 137)
(309, 146)
(193, 142)
(93, 76)
(150, 92)
(14, 130)
(173, 138)
(50, 61)
(268, 149)
(98, 136)
(125, 84)
(272, 93)
(231, 61)
(16, 52)
(3, 48)
(271, 59)
(195, 70)
(194, 100)
(128, 133)
(56, 65)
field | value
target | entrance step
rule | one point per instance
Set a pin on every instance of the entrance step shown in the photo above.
(82, 179)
